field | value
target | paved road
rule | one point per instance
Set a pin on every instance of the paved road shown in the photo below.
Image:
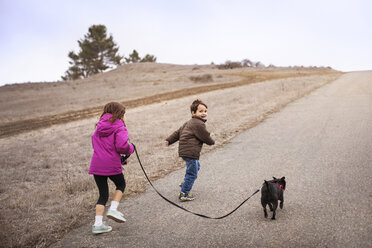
(322, 144)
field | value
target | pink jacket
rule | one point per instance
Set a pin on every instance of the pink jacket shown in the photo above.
(109, 141)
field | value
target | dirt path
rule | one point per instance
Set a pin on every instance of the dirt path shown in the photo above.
(321, 143)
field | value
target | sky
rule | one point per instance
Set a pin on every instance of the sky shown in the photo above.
(37, 35)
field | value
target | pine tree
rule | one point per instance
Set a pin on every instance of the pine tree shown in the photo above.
(148, 58)
(97, 54)
(133, 57)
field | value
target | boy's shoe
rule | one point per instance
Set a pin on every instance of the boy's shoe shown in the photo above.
(101, 229)
(115, 215)
(181, 184)
(185, 197)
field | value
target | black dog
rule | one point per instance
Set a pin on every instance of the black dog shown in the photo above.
(271, 192)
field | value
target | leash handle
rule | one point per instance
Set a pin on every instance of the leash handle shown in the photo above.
(178, 206)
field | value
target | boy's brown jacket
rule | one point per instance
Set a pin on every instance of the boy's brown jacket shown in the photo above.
(191, 136)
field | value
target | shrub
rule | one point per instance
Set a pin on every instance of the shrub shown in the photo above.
(236, 64)
(201, 78)
(229, 65)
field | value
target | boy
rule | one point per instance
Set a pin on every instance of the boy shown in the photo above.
(191, 137)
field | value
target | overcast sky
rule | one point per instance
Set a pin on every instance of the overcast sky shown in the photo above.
(36, 35)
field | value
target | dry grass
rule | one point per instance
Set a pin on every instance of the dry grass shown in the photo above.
(126, 83)
(45, 189)
(25, 123)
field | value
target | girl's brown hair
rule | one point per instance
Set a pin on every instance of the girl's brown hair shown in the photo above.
(116, 109)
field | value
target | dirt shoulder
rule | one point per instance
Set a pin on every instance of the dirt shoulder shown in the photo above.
(247, 77)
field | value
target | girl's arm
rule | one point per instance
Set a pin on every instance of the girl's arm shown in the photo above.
(122, 144)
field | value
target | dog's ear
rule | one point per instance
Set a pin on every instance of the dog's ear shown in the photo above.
(274, 178)
(282, 178)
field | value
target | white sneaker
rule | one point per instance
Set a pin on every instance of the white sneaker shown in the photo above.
(101, 229)
(115, 215)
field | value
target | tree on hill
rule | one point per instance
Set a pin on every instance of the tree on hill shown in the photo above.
(148, 58)
(135, 58)
(247, 63)
(98, 52)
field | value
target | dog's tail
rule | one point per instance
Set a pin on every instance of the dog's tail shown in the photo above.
(267, 186)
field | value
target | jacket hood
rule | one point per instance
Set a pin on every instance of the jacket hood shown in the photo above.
(105, 127)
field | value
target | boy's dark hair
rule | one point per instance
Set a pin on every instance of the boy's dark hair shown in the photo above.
(116, 109)
(195, 104)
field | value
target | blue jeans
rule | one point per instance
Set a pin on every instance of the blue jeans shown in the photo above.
(192, 168)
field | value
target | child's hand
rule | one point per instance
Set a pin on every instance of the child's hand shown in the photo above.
(166, 143)
(124, 159)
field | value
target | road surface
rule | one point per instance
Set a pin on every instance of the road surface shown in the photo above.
(321, 143)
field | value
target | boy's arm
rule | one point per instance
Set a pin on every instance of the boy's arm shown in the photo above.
(203, 135)
(174, 137)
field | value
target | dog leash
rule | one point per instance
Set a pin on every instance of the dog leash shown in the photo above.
(178, 206)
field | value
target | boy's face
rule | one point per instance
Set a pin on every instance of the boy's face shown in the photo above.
(201, 112)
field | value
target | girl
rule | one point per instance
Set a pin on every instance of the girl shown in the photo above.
(109, 141)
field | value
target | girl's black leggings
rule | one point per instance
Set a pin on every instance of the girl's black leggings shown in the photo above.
(103, 188)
